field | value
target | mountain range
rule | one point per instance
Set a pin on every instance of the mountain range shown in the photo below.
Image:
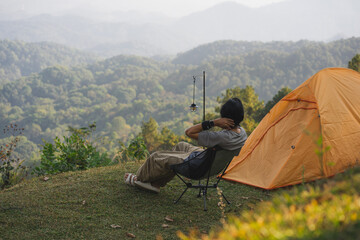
(117, 32)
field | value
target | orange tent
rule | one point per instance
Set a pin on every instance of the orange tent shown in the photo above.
(313, 132)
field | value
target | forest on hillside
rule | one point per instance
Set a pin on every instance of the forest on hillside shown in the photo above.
(46, 88)
(19, 59)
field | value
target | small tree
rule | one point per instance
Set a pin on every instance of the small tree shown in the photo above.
(168, 139)
(149, 132)
(76, 152)
(9, 165)
(159, 140)
(135, 151)
(354, 64)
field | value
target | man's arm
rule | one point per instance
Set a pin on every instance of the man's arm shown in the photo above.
(225, 123)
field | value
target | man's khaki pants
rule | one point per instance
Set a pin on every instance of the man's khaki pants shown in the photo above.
(156, 168)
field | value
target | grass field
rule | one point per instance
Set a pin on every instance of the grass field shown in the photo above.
(96, 204)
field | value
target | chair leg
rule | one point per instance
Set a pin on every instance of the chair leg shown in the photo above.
(199, 195)
(202, 191)
(177, 200)
(204, 195)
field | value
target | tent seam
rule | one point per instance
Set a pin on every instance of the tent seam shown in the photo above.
(321, 129)
(296, 99)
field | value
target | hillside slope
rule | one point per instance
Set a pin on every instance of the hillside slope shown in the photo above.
(96, 204)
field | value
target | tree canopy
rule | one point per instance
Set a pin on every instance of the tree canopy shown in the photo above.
(122, 93)
(18, 59)
(354, 64)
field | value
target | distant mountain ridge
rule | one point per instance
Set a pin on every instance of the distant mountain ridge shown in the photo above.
(213, 50)
(19, 59)
(87, 34)
(266, 66)
(293, 20)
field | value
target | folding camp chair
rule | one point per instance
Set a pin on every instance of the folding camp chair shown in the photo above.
(210, 162)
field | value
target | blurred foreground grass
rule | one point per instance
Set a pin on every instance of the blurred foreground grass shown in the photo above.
(326, 209)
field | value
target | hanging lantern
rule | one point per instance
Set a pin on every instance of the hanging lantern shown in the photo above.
(193, 107)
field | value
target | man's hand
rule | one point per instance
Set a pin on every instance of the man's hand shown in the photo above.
(225, 123)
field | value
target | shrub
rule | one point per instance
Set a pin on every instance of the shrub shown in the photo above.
(10, 166)
(135, 151)
(76, 152)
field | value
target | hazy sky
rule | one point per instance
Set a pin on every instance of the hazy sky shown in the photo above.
(174, 8)
(177, 7)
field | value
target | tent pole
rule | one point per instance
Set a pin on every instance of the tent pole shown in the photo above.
(203, 96)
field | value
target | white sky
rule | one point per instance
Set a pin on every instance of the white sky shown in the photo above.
(172, 8)
(175, 8)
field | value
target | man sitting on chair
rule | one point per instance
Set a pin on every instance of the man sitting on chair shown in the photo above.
(156, 172)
